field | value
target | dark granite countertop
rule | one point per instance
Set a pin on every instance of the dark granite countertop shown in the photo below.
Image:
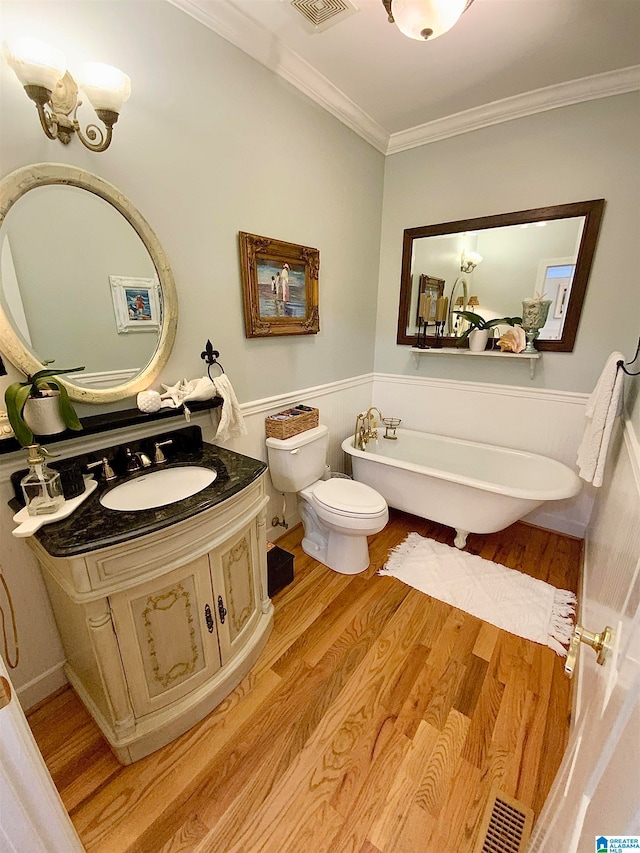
(93, 526)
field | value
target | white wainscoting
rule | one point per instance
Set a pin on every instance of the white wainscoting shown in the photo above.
(338, 402)
(547, 422)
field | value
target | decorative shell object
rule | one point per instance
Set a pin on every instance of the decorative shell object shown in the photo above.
(148, 401)
(513, 340)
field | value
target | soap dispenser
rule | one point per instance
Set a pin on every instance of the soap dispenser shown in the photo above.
(42, 487)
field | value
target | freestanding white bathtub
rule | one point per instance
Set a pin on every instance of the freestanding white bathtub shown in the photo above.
(475, 488)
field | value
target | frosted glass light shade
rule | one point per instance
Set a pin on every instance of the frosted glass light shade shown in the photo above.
(471, 258)
(106, 87)
(34, 62)
(414, 17)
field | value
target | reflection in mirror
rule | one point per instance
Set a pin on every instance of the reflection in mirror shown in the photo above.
(59, 246)
(489, 265)
(83, 280)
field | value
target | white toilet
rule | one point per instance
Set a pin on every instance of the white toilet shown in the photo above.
(337, 514)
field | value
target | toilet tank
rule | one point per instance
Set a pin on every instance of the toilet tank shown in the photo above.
(296, 462)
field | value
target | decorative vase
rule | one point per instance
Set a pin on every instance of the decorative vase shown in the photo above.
(534, 316)
(42, 414)
(478, 340)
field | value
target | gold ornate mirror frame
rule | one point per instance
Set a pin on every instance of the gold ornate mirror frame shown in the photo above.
(12, 188)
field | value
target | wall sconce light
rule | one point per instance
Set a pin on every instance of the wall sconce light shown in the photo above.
(424, 19)
(469, 261)
(42, 71)
(473, 302)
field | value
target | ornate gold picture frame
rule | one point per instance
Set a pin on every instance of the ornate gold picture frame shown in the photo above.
(279, 287)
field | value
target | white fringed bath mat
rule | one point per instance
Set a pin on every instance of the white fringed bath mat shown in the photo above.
(506, 598)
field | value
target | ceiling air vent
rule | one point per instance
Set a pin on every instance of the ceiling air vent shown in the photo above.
(506, 826)
(321, 14)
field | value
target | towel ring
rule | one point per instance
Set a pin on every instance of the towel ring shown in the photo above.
(635, 358)
(210, 356)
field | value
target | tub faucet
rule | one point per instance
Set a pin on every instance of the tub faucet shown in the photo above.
(366, 428)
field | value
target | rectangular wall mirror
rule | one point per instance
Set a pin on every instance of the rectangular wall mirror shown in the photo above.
(490, 264)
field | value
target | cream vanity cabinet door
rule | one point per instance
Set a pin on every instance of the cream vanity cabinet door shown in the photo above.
(236, 589)
(167, 635)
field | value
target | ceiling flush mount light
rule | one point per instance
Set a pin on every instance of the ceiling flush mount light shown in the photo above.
(424, 19)
(42, 71)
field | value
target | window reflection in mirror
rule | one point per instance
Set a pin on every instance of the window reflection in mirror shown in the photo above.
(513, 256)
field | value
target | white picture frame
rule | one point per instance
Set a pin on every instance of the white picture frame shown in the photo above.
(136, 304)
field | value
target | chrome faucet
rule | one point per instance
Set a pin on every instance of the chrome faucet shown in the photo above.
(366, 428)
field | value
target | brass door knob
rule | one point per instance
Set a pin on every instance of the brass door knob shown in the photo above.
(5, 692)
(600, 643)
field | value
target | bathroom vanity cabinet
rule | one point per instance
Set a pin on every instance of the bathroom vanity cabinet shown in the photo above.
(159, 629)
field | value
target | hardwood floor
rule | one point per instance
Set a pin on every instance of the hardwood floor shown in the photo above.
(377, 719)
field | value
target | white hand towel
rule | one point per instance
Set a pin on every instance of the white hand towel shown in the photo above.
(602, 409)
(231, 418)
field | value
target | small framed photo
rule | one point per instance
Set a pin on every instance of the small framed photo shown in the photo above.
(279, 287)
(136, 303)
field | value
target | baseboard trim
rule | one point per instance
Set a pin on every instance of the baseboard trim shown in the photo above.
(41, 687)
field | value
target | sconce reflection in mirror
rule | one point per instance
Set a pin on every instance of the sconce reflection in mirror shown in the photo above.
(42, 71)
(468, 262)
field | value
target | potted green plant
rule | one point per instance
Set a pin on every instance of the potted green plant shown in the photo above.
(40, 405)
(479, 328)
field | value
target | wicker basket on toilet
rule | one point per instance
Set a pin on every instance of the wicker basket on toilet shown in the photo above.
(292, 421)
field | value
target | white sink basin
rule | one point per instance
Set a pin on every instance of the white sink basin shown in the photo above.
(158, 488)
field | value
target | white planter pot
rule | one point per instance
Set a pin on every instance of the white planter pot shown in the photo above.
(478, 340)
(42, 414)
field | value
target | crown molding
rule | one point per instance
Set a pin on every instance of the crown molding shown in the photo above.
(617, 82)
(243, 32)
(233, 25)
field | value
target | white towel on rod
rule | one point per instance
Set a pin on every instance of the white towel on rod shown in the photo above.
(231, 421)
(603, 406)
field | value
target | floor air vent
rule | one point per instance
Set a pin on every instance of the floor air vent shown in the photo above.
(506, 826)
(320, 14)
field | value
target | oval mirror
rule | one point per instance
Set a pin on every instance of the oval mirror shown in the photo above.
(83, 280)
(489, 265)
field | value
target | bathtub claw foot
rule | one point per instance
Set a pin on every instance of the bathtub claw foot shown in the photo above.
(461, 538)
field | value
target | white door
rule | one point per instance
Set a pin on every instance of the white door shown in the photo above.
(597, 790)
(32, 816)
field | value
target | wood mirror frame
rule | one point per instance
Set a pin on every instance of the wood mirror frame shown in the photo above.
(12, 188)
(592, 212)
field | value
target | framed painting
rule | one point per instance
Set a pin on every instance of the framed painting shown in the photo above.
(433, 287)
(136, 304)
(279, 287)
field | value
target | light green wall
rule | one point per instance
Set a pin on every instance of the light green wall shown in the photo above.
(212, 143)
(571, 154)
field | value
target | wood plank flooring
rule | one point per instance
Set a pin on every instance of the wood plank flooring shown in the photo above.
(377, 720)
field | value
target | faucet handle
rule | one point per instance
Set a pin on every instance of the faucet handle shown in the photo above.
(158, 456)
(107, 472)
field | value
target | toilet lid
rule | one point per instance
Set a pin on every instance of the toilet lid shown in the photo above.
(348, 496)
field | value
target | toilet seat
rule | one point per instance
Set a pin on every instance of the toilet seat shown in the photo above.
(347, 498)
